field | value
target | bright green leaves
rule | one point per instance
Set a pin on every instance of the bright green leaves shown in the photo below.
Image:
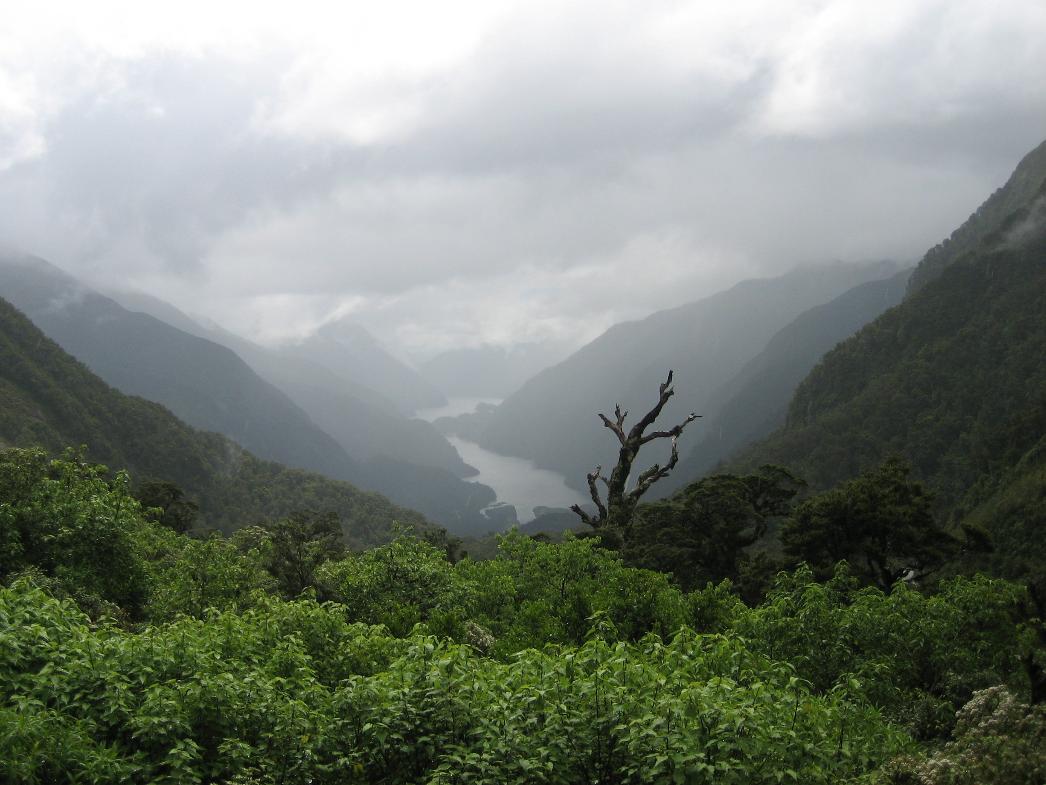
(64, 519)
(401, 584)
(291, 692)
(917, 657)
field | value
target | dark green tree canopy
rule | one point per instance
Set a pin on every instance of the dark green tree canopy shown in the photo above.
(701, 534)
(167, 502)
(882, 522)
(296, 546)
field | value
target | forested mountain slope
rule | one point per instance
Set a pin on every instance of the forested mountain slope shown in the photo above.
(552, 418)
(204, 384)
(49, 399)
(755, 402)
(1017, 193)
(954, 379)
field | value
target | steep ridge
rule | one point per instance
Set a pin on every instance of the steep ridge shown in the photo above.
(755, 402)
(954, 379)
(205, 384)
(1018, 191)
(51, 400)
(552, 418)
(368, 431)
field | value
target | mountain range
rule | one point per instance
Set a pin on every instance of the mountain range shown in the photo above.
(827, 370)
(303, 415)
(552, 418)
(754, 403)
(49, 399)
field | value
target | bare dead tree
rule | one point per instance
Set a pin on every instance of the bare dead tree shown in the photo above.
(616, 511)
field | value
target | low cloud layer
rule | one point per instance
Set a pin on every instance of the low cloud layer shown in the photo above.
(449, 174)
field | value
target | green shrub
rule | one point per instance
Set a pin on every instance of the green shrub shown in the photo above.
(919, 657)
(291, 692)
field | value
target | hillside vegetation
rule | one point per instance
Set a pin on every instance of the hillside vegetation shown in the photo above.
(754, 403)
(191, 660)
(1016, 194)
(51, 400)
(953, 379)
(280, 407)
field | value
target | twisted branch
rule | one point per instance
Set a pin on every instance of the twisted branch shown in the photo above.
(620, 504)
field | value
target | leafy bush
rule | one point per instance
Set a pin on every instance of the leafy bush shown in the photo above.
(404, 583)
(192, 576)
(918, 657)
(536, 593)
(291, 692)
(65, 519)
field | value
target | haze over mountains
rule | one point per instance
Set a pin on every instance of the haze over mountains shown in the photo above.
(491, 371)
(346, 351)
(365, 423)
(203, 383)
(338, 404)
(350, 351)
(552, 418)
(953, 379)
(755, 402)
(49, 399)
(281, 418)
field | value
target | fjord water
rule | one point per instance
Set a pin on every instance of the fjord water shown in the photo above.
(517, 481)
(453, 408)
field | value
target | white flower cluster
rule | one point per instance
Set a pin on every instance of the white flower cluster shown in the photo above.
(997, 739)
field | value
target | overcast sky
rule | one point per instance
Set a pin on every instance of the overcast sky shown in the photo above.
(448, 173)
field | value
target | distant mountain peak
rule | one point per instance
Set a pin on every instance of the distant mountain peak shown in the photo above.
(347, 348)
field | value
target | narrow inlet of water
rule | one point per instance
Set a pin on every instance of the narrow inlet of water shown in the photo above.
(516, 481)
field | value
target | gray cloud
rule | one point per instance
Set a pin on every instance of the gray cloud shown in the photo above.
(568, 169)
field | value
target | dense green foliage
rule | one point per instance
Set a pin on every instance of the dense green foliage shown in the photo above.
(292, 693)
(64, 519)
(705, 532)
(531, 595)
(167, 504)
(917, 657)
(552, 663)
